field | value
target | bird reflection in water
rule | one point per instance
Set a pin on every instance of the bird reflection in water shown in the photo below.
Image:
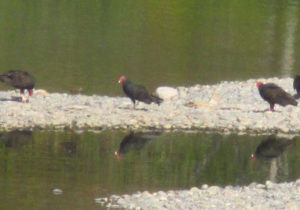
(16, 139)
(134, 141)
(70, 143)
(271, 148)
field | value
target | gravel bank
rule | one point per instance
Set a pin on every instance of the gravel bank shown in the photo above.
(228, 106)
(254, 196)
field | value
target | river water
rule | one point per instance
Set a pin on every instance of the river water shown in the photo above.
(84, 46)
(84, 165)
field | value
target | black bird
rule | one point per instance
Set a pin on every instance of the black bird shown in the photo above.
(296, 85)
(138, 92)
(134, 141)
(21, 80)
(274, 94)
(271, 148)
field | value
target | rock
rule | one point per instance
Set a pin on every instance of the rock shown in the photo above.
(163, 198)
(292, 205)
(269, 184)
(114, 197)
(57, 191)
(285, 129)
(41, 92)
(146, 194)
(166, 93)
(101, 200)
(194, 190)
(132, 206)
(114, 206)
(122, 201)
(260, 186)
(167, 126)
(298, 182)
(213, 190)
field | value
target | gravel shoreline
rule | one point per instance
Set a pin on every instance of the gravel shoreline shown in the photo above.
(255, 196)
(227, 106)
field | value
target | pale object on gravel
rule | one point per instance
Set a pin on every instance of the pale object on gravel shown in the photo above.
(166, 93)
(41, 92)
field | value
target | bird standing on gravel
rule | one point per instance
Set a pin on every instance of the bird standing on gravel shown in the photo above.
(21, 80)
(274, 94)
(138, 92)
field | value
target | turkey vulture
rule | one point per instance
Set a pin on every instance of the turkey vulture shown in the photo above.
(19, 79)
(274, 94)
(271, 148)
(138, 92)
(296, 86)
(134, 141)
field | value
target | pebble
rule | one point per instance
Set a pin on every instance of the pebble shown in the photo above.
(57, 191)
(269, 184)
(260, 186)
(213, 190)
(194, 190)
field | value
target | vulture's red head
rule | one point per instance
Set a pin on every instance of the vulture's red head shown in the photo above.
(118, 155)
(122, 80)
(258, 84)
(253, 156)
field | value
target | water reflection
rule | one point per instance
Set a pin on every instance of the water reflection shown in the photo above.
(271, 148)
(16, 139)
(84, 165)
(70, 145)
(134, 141)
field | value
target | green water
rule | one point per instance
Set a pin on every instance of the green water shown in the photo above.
(72, 45)
(84, 166)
